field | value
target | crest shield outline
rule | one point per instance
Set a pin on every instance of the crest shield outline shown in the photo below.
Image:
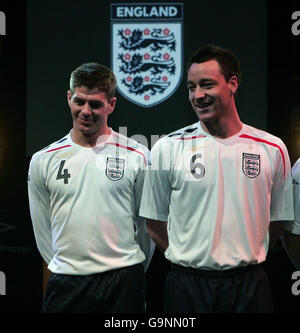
(115, 168)
(251, 165)
(147, 57)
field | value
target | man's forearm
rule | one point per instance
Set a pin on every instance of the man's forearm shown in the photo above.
(157, 230)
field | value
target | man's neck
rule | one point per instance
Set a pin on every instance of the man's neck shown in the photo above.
(89, 140)
(223, 128)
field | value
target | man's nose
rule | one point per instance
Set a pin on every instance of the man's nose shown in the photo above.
(199, 93)
(86, 109)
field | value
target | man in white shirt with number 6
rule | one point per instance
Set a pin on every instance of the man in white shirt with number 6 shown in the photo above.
(218, 184)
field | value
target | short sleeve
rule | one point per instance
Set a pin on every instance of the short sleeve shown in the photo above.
(294, 226)
(282, 190)
(157, 189)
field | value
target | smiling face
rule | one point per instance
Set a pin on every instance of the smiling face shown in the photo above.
(90, 109)
(210, 94)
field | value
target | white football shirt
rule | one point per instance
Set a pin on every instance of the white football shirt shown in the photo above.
(84, 205)
(294, 226)
(218, 196)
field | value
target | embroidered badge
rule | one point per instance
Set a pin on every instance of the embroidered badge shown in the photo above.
(251, 165)
(115, 168)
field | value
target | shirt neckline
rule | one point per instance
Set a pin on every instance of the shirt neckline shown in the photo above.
(219, 139)
(110, 137)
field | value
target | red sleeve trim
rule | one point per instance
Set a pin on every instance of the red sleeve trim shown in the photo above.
(58, 148)
(191, 137)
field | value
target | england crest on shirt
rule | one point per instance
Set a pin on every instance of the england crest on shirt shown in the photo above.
(114, 168)
(147, 50)
(251, 165)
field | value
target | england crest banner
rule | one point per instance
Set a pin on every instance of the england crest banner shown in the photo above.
(147, 50)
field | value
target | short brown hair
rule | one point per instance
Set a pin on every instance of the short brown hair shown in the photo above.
(228, 62)
(93, 75)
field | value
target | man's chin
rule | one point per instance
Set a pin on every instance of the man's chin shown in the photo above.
(205, 116)
(86, 130)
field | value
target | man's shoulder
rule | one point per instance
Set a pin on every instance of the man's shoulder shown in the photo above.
(181, 133)
(187, 130)
(296, 169)
(52, 147)
(263, 136)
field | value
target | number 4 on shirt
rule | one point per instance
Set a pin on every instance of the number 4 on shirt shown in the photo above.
(63, 173)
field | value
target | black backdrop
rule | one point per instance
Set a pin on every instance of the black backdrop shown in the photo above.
(19, 260)
(44, 42)
(61, 35)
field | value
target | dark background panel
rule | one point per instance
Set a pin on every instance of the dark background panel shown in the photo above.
(19, 260)
(283, 120)
(61, 36)
(284, 75)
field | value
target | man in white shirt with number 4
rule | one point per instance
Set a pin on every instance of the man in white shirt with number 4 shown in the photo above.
(84, 196)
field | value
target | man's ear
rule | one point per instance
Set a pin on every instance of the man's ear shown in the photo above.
(69, 97)
(112, 103)
(233, 82)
